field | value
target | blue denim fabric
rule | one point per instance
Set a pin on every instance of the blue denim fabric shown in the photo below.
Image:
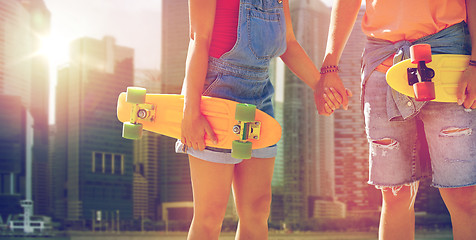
(453, 161)
(452, 40)
(392, 116)
(242, 74)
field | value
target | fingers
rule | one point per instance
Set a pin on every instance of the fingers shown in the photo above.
(466, 91)
(328, 110)
(344, 100)
(470, 101)
(335, 95)
(329, 102)
(469, 95)
(349, 93)
(334, 99)
(461, 92)
(195, 131)
(211, 134)
(195, 144)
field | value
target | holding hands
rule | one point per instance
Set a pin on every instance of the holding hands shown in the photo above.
(330, 93)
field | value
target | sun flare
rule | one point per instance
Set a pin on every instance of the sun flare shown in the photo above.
(55, 48)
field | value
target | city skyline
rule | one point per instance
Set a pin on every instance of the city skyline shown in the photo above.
(81, 162)
(132, 24)
(107, 18)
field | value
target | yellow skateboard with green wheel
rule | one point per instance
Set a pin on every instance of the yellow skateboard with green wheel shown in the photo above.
(239, 127)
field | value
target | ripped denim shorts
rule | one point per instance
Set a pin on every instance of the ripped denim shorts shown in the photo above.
(394, 145)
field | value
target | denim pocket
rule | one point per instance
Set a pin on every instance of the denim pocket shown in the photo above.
(212, 80)
(266, 33)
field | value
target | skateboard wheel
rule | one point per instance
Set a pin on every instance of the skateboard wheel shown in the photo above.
(131, 131)
(420, 52)
(424, 91)
(135, 95)
(245, 112)
(241, 150)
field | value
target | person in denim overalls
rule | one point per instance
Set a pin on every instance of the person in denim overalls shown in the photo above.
(391, 118)
(263, 32)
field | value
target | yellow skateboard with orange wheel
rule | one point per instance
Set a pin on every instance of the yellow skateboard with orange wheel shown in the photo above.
(239, 127)
(428, 77)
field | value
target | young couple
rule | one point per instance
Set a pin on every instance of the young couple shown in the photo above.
(231, 45)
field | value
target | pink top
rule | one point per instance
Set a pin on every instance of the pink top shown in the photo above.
(225, 27)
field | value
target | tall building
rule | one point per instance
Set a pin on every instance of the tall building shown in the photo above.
(174, 44)
(97, 160)
(174, 173)
(59, 152)
(39, 106)
(304, 165)
(146, 157)
(15, 51)
(351, 147)
(57, 168)
(23, 76)
(15, 152)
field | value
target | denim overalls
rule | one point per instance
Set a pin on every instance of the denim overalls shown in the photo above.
(241, 74)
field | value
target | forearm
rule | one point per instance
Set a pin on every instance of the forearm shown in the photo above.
(295, 57)
(201, 17)
(344, 14)
(471, 15)
(195, 73)
(300, 64)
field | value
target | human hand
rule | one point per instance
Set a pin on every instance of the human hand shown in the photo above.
(334, 99)
(466, 92)
(330, 94)
(195, 128)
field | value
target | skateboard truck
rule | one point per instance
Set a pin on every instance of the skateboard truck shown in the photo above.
(251, 130)
(143, 111)
(140, 110)
(246, 128)
(420, 77)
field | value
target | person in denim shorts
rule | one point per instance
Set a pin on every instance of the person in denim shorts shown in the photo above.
(231, 45)
(391, 118)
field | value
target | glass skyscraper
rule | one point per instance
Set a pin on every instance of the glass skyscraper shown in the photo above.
(97, 161)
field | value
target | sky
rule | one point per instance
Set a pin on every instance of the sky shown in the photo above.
(133, 23)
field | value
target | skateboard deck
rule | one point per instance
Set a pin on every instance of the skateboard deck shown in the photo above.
(162, 113)
(447, 68)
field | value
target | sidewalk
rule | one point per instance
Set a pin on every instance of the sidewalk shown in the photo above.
(446, 235)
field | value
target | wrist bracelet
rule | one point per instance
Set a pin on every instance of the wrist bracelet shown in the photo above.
(472, 63)
(330, 68)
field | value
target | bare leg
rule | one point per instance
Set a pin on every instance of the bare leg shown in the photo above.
(252, 190)
(397, 220)
(461, 203)
(211, 184)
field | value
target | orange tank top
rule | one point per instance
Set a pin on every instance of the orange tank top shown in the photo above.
(416, 18)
